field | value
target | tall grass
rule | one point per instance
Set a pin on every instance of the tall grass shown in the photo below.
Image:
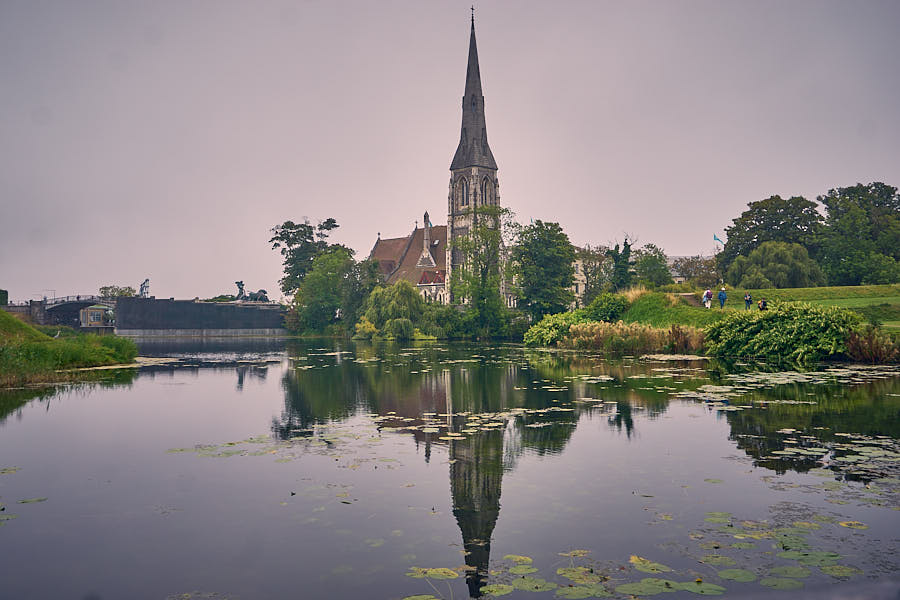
(632, 338)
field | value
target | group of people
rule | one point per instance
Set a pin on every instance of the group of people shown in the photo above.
(722, 296)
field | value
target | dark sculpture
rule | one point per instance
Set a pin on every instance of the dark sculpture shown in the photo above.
(259, 296)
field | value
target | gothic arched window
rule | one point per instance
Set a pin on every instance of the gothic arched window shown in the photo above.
(487, 191)
(462, 192)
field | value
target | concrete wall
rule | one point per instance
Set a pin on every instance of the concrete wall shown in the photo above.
(149, 317)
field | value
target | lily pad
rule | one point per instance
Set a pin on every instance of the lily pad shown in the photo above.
(853, 524)
(533, 584)
(420, 597)
(497, 589)
(718, 560)
(522, 570)
(583, 591)
(713, 480)
(792, 572)
(743, 545)
(702, 588)
(32, 500)
(840, 571)
(518, 558)
(575, 553)
(438, 573)
(579, 574)
(649, 586)
(781, 583)
(742, 575)
(815, 559)
(647, 566)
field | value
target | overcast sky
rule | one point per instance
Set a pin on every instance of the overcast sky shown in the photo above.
(164, 139)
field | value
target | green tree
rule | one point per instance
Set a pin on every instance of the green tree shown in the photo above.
(794, 220)
(115, 291)
(701, 271)
(775, 264)
(543, 259)
(476, 281)
(299, 244)
(596, 266)
(622, 265)
(398, 301)
(651, 266)
(317, 302)
(861, 239)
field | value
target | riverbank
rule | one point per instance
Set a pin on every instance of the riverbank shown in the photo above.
(832, 325)
(29, 356)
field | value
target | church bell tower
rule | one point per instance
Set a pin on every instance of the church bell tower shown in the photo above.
(473, 171)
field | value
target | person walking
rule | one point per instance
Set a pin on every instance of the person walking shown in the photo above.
(722, 298)
(748, 300)
(707, 298)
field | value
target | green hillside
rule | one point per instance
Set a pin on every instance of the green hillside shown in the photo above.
(14, 330)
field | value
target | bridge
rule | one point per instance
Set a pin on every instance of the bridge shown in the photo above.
(59, 310)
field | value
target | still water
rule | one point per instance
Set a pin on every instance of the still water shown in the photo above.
(319, 470)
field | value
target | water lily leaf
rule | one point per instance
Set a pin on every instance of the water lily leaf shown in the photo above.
(420, 597)
(853, 524)
(720, 515)
(713, 480)
(8, 470)
(807, 525)
(581, 591)
(743, 545)
(840, 571)
(32, 500)
(814, 559)
(718, 560)
(649, 586)
(792, 572)
(780, 583)
(575, 553)
(742, 575)
(518, 558)
(522, 570)
(579, 574)
(533, 584)
(702, 588)
(438, 573)
(497, 589)
(647, 566)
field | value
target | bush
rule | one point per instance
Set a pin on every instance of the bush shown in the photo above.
(606, 307)
(365, 330)
(795, 331)
(552, 328)
(632, 338)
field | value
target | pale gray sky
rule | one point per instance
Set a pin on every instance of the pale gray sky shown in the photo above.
(164, 139)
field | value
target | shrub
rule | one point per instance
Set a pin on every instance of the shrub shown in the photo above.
(632, 338)
(365, 330)
(552, 328)
(606, 307)
(795, 331)
(684, 339)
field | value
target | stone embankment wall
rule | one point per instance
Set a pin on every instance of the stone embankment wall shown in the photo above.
(148, 317)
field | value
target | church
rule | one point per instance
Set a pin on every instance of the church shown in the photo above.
(424, 257)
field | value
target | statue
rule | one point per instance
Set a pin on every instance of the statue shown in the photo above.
(260, 296)
(145, 289)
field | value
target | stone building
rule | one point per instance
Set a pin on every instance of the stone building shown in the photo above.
(424, 257)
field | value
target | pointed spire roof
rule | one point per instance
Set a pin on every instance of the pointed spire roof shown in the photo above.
(473, 149)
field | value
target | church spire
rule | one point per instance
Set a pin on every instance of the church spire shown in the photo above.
(473, 149)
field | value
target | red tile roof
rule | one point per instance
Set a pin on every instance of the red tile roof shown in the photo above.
(398, 257)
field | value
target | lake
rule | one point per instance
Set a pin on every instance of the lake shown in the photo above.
(320, 469)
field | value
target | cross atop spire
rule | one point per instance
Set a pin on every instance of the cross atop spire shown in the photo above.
(473, 149)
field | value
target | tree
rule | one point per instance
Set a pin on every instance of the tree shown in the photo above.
(115, 291)
(651, 266)
(543, 259)
(794, 221)
(332, 292)
(299, 244)
(698, 270)
(476, 281)
(775, 264)
(622, 264)
(596, 266)
(861, 238)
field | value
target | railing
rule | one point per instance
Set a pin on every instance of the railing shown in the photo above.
(63, 299)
